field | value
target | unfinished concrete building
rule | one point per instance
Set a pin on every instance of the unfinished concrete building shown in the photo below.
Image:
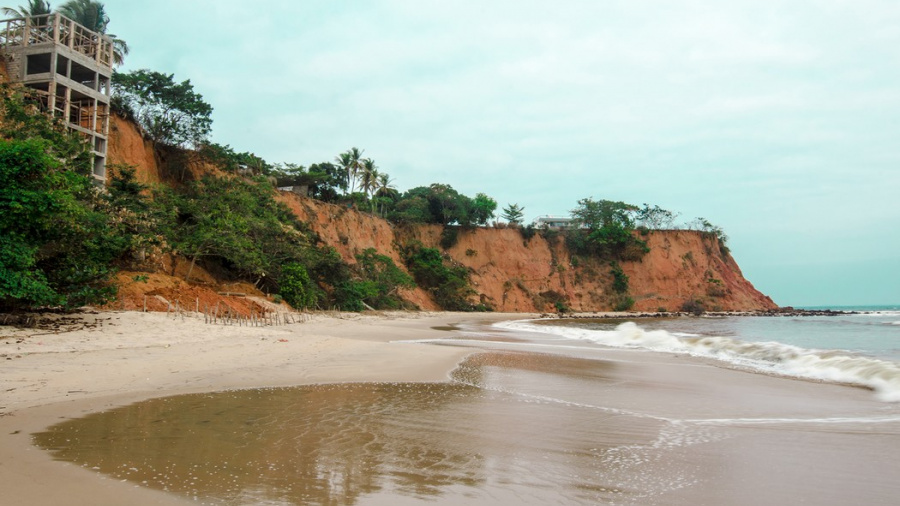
(70, 68)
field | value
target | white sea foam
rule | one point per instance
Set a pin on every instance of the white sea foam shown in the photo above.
(829, 365)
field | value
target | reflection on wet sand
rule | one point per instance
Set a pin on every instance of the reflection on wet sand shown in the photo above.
(513, 428)
(322, 444)
(342, 444)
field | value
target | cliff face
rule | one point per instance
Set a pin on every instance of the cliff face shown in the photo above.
(126, 146)
(508, 272)
(512, 274)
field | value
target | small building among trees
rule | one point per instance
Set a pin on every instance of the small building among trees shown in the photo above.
(554, 222)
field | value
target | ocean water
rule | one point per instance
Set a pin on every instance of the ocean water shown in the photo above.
(680, 411)
(861, 348)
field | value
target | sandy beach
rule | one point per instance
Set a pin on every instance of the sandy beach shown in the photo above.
(124, 357)
(585, 425)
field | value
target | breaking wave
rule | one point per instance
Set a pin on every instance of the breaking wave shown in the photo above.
(839, 366)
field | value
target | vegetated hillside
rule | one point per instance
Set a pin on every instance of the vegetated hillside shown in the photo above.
(509, 272)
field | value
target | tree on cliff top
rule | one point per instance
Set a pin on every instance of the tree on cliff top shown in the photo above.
(596, 214)
(441, 204)
(170, 113)
(607, 230)
(513, 213)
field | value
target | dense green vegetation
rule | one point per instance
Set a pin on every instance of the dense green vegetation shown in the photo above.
(58, 239)
(170, 113)
(605, 230)
(448, 284)
(441, 204)
(61, 238)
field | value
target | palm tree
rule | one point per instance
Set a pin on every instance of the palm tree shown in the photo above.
(34, 8)
(369, 177)
(386, 188)
(369, 181)
(92, 15)
(351, 162)
(343, 160)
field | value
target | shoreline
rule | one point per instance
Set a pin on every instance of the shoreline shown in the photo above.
(119, 358)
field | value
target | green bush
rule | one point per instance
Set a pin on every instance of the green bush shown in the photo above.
(620, 279)
(385, 278)
(695, 306)
(58, 241)
(449, 237)
(448, 285)
(350, 295)
(624, 304)
(297, 289)
(527, 232)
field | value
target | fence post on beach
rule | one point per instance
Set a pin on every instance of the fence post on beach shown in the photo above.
(197, 309)
(145, 303)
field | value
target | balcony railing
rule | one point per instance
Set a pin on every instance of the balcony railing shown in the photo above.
(57, 29)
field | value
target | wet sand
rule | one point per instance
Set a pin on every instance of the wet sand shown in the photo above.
(601, 426)
(129, 356)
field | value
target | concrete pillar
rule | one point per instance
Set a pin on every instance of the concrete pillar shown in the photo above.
(55, 28)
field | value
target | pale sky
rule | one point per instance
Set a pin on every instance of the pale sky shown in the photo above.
(777, 120)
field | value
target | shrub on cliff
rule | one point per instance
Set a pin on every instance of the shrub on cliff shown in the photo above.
(694, 306)
(620, 279)
(384, 280)
(448, 285)
(233, 221)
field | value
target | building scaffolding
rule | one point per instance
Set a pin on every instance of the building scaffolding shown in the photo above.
(69, 67)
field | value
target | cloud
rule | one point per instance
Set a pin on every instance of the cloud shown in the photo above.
(766, 117)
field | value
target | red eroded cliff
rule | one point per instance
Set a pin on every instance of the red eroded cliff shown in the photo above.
(508, 272)
(350, 232)
(170, 166)
(513, 274)
(126, 146)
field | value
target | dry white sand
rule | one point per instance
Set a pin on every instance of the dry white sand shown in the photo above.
(129, 356)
